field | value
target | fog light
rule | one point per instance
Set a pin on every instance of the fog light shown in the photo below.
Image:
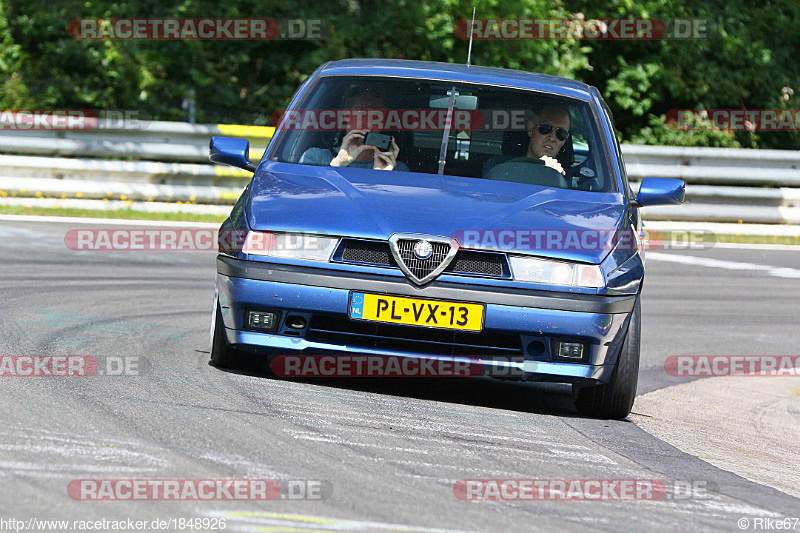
(263, 320)
(536, 348)
(570, 351)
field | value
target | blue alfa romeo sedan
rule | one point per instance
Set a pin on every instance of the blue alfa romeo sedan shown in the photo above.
(438, 211)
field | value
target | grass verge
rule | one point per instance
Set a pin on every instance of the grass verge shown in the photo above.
(709, 239)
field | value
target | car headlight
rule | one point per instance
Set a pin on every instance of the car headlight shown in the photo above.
(552, 272)
(290, 245)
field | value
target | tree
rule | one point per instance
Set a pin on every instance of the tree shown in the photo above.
(746, 61)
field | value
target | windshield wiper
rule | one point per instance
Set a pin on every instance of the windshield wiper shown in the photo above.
(448, 120)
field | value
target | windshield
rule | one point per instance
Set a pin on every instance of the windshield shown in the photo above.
(398, 124)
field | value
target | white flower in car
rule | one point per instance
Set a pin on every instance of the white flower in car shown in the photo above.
(553, 163)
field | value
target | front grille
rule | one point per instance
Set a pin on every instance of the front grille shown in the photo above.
(484, 264)
(421, 267)
(466, 261)
(371, 252)
(345, 332)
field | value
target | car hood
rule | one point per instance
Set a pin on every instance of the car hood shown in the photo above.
(374, 205)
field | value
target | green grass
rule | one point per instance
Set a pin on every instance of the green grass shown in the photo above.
(759, 239)
(667, 237)
(127, 214)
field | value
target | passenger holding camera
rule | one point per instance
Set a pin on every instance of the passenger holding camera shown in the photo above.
(354, 151)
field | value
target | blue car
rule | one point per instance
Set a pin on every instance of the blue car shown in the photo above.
(436, 211)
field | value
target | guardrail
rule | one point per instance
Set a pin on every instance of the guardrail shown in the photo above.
(714, 166)
(153, 141)
(164, 166)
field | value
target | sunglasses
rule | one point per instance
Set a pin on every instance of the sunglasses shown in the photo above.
(561, 133)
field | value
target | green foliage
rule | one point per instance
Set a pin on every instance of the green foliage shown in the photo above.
(13, 93)
(630, 88)
(746, 62)
(661, 133)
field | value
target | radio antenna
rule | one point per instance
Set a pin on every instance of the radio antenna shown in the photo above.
(471, 27)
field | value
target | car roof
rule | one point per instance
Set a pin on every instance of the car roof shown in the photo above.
(458, 72)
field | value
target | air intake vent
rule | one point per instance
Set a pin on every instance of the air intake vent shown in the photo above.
(368, 252)
(481, 263)
(473, 263)
(355, 333)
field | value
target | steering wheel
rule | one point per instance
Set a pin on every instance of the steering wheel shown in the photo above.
(531, 160)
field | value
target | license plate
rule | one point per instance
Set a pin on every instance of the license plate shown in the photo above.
(416, 312)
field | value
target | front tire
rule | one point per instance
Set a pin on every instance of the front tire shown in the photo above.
(614, 399)
(222, 355)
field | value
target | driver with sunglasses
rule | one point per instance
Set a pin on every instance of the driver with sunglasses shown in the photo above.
(548, 130)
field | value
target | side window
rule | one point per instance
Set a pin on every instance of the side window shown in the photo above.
(623, 170)
(636, 215)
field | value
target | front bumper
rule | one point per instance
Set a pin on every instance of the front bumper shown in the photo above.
(519, 325)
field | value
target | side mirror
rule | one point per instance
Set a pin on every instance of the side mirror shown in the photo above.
(231, 151)
(661, 191)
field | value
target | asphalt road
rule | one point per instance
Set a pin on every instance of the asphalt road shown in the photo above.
(385, 452)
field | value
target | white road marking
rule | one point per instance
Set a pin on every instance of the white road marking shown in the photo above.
(437, 479)
(328, 419)
(586, 457)
(778, 272)
(103, 454)
(751, 246)
(333, 439)
(496, 448)
(317, 523)
(57, 451)
(481, 472)
(393, 418)
(451, 433)
(25, 467)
